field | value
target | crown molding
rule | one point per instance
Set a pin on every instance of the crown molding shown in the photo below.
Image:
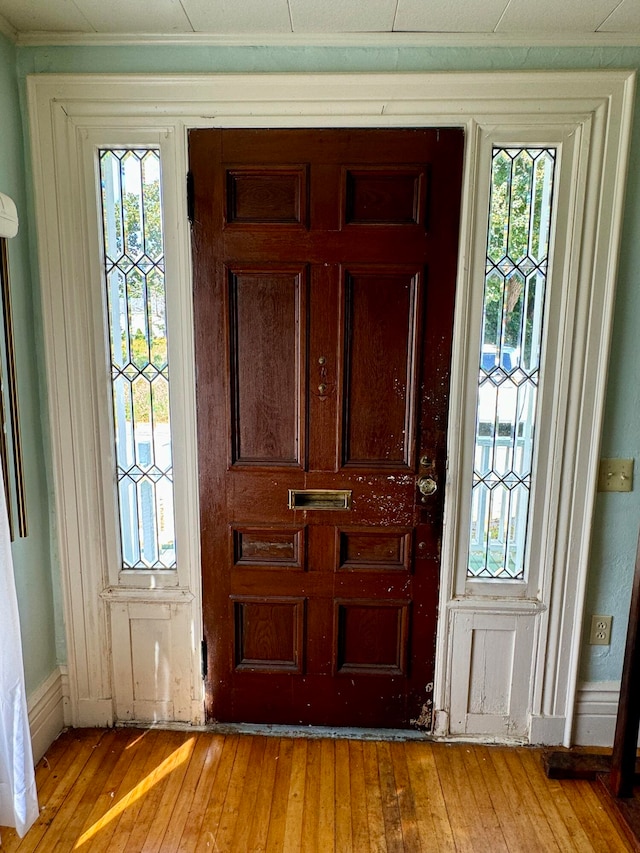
(386, 39)
(8, 30)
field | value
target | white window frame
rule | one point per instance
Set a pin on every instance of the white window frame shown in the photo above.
(524, 610)
(181, 387)
(559, 309)
(71, 115)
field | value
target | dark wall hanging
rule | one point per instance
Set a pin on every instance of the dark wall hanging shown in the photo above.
(10, 442)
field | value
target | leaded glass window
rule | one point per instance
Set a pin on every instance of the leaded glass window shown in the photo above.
(133, 262)
(514, 292)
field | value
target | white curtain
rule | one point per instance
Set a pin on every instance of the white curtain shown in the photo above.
(18, 796)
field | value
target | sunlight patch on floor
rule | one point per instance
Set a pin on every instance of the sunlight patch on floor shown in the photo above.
(176, 758)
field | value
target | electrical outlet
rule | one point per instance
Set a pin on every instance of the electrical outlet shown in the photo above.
(600, 630)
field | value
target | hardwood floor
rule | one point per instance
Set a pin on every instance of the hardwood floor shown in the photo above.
(142, 791)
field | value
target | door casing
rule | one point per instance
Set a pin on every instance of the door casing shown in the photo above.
(72, 115)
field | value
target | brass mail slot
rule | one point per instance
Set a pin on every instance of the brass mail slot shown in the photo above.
(320, 499)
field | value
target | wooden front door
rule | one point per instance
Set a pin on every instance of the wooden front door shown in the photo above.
(324, 276)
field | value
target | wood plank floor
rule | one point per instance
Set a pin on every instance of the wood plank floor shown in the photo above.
(143, 791)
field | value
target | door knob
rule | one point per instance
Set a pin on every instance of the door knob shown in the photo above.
(427, 485)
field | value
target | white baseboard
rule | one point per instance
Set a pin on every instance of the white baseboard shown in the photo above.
(46, 707)
(596, 711)
(595, 718)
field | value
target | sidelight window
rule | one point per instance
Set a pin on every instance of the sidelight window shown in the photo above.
(133, 265)
(520, 212)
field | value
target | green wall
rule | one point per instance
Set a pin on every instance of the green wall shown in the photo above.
(32, 555)
(618, 515)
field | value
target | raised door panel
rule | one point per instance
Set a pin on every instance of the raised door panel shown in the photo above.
(381, 354)
(385, 195)
(268, 634)
(374, 550)
(371, 637)
(267, 345)
(269, 547)
(260, 196)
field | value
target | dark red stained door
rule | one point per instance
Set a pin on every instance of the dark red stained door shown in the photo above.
(324, 275)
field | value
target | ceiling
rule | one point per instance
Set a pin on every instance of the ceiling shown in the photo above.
(31, 21)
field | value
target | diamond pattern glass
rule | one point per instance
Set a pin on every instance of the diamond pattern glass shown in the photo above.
(514, 291)
(135, 284)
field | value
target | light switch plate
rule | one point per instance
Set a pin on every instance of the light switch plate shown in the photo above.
(615, 475)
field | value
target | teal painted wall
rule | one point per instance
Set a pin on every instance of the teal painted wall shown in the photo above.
(31, 556)
(617, 516)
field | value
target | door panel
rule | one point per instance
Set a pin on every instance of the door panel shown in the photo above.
(381, 312)
(269, 634)
(384, 196)
(257, 547)
(324, 275)
(259, 196)
(368, 550)
(371, 637)
(267, 339)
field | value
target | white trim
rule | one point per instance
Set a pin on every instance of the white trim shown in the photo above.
(585, 149)
(543, 694)
(596, 713)
(164, 595)
(181, 359)
(383, 39)
(46, 707)
(69, 112)
(599, 269)
(358, 99)
(571, 145)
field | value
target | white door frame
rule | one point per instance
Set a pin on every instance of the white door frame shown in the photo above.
(587, 115)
